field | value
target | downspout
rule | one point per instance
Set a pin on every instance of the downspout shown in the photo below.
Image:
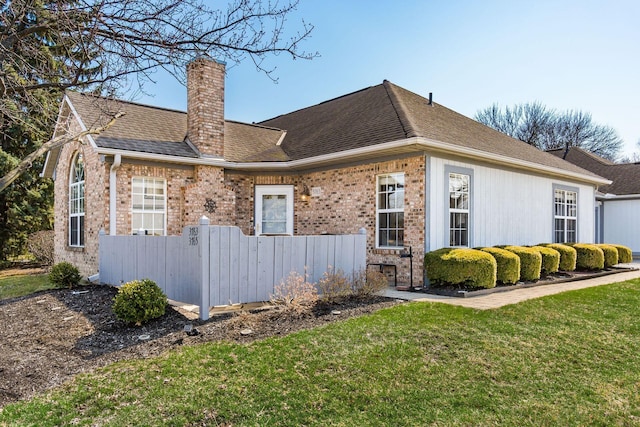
(117, 159)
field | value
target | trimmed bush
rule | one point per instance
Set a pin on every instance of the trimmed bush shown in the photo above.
(65, 274)
(508, 264)
(139, 301)
(530, 262)
(610, 254)
(624, 254)
(567, 256)
(588, 257)
(461, 266)
(550, 259)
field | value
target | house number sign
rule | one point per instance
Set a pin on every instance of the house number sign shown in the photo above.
(193, 236)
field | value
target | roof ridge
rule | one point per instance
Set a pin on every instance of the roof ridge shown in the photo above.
(253, 125)
(111, 99)
(403, 116)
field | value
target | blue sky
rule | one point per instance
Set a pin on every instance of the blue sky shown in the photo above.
(565, 54)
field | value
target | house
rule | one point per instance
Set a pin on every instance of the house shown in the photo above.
(408, 170)
(618, 203)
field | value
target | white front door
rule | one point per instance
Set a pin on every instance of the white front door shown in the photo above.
(274, 209)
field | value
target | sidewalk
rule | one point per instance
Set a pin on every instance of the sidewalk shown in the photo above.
(515, 296)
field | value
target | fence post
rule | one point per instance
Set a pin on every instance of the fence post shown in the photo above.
(205, 289)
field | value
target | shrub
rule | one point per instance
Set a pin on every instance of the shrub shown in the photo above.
(294, 295)
(334, 286)
(139, 301)
(588, 257)
(624, 254)
(610, 254)
(64, 274)
(367, 283)
(567, 256)
(40, 245)
(530, 262)
(508, 264)
(550, 259)
(469, 267)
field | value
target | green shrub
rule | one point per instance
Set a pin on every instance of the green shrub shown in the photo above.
(461, 266)
(139, 301)
(588, 257)
(508, 264)
(550, 259)
(610, 254)
(530, 262)
(625, 255)
(65, 274)
(567, 256)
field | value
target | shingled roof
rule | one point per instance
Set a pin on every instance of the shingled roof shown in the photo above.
(370, 117)
(385, 113)
(625, 176)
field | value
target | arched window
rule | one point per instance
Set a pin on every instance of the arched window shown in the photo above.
(76, 202)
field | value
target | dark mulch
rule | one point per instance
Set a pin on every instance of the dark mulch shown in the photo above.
(51, 336)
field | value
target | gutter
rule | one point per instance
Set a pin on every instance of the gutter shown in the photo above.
(408, 145)
(610, 196)
(117, 160)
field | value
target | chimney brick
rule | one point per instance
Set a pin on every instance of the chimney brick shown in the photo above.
(205, 106)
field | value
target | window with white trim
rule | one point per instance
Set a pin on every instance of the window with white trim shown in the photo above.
(76, 202)
(565, 216)
(390, 211)
(459, 202)
(148, 206)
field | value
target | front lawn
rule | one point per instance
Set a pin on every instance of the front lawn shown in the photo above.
(20, 285)
(567, 359)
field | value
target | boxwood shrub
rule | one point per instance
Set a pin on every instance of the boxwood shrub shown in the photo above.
(550, 259)
(65, 274)
(139, 301)
(530, 262)
(508, 265)
(567, 256)
(461, 266)
(588, 257)
(610, 254)
(624, 253)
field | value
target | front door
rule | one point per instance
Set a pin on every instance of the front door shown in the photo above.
(274, 209)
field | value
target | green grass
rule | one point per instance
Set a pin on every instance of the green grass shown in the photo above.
(17, 286)
(567, 359)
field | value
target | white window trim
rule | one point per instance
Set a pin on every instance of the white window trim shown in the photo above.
(151, 211)
(81, 186)
(565, 217)
(273, 190)
(393, 210)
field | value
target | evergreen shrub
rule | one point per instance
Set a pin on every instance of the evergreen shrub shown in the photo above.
(610, 254)
(508, 265)
(567, 256)
(530, 262)
(139, 301)
(550, 259)
(65, 274)
(625, 255)
(588, 257)
(461, 266)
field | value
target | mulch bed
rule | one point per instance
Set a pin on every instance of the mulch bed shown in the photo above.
(49, 337)
(560, 277)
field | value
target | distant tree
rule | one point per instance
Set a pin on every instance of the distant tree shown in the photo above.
(548, 129)
(634, 157)
(110, 47)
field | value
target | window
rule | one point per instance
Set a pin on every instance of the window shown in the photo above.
(459, 202)
(76, 202)
(390, 207)
(565, 216)
(148, 211)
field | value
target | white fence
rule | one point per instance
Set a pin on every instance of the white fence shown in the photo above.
(216, 265)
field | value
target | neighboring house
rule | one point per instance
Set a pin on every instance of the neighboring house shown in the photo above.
(409, 171)
(618, 204)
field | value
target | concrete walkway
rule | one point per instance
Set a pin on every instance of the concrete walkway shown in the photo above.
(499, 299)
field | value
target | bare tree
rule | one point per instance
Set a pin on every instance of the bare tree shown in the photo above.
(547, 129)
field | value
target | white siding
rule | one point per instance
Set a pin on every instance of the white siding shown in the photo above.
(508, 207)
(621, 225)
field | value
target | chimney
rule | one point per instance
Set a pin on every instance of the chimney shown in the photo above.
(205, 106)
